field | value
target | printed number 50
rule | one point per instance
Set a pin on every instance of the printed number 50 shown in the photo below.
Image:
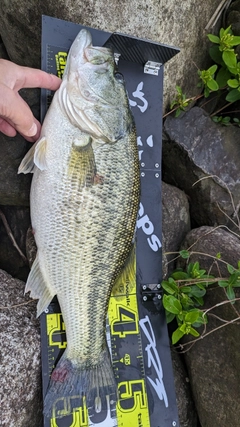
(132, 395)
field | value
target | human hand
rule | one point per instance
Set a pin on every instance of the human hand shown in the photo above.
(15, 114)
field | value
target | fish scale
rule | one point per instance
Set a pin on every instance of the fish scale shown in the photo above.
(84, 203)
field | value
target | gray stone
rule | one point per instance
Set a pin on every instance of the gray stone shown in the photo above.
(213, 362)
(186, 409)
(204, 243)
(176, 223)
(180, 24)
(3, 52)
(20, 368)
(197, 148)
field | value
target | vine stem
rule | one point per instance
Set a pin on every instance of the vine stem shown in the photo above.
(220, 109)
(17, 305)
(192, 342)
(10, 235)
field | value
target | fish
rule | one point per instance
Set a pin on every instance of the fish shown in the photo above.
(84, 201)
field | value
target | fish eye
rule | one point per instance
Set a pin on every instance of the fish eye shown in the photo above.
(98, 60)
(118, 76)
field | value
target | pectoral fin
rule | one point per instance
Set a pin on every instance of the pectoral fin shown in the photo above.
(82, 165)
(38, 287)
(35, 156)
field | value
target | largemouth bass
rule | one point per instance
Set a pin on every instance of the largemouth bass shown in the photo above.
(84, 203)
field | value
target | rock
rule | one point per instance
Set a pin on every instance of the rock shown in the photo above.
(162, 21)
(213, 368)
(213, 362)
(20, 367)
(176, 222)
(205, 243)
(3, 52)
(197, 148)
(186, 409)
(18, 219)
(233, 19)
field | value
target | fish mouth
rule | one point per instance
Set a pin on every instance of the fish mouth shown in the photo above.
(82, 41)
(83, 51)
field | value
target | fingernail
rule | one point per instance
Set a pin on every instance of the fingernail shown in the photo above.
(33, 130)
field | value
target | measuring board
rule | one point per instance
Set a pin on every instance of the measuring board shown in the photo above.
(136, 328)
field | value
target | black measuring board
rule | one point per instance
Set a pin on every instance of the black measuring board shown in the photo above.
(136, 328)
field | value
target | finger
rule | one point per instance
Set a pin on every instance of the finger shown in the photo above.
(30, 78)
(16, 77)
(15, 111)
(6, 128)
(36, 136)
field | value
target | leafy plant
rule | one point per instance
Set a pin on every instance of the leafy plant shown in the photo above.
(224, 74)
(184, 293)
(208, 82)
(180, 102)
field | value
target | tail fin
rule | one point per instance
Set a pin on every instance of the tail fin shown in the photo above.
(68, 379)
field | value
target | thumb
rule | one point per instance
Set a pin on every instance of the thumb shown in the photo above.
(15, 111)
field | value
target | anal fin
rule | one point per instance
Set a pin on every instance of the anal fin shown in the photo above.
(38, 287)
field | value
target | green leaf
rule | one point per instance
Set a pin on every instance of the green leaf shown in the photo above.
(212, 84)
(192, 316)
(183, 327)
(234, 83)
(221, 33)
(216, 55)
(202, 285)
(186, 289)
(206, 92)
(184, 254)
(227, 31)
(233, 95)
(172, 304)
(218, 255)
(179, 275)
(169, 287)
(199, 300)
(226, 120)
(216, 119)
(173, 103)
(233, 278)
(236, 120)
(222, 77)
(194, 332)
(223, 283)
(236, 284)
(231, 269)
(234, 70)
(178, 112)
(230, 292)
(177, 335)
(213, 39)
(169, 317)
(235, 41)
(202, 320)
(179, 90)
(212, 69)
(229, 58)
(197, 292)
